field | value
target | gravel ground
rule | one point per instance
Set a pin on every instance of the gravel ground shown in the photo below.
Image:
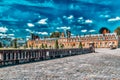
(102, 65)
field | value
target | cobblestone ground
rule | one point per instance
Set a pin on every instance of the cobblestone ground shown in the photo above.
(102, 65)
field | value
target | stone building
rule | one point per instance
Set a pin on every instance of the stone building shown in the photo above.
(99, 40)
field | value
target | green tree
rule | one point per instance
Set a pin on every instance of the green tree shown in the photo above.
(62, 46)
(42, 46)
(56, 44)
(117, 30)
(0, 44)
(102, 30)
(50, 46)
(55, 35)
(68, 32)
(80, 45)
(37, 46)
(15, 43)
(45, 45)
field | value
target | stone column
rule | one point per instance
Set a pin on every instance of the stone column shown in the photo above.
(21, 55)
(24, 55)
(6, 56)
(1, 56)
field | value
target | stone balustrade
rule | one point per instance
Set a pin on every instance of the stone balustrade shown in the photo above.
(11, 57)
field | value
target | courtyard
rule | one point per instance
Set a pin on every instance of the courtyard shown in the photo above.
(102, 65)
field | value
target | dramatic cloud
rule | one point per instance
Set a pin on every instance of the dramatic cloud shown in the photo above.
(92, 30)
(72, 34)
(114, 19)
(42, 21)
(71, 17)
(42, 33)
(88, 21)
(46, 16)
(104, 16)
(1, 34)
(28, 30)
(80, 18)
(11, 34)
(64, 28)
(3, 29)
(84, 30)
(30, 25)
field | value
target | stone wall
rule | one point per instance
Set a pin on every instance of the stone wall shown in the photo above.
(10, 57)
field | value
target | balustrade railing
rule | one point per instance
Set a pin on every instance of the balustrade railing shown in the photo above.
(10, 57)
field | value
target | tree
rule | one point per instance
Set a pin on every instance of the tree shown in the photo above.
(104, 30)
(80, 45)
(45, 45)
(15, 43)
(0, 44)
(50, 46)
(56, 44)
(37, 46)
(68, 32)
(55, 35)
(42, 46)
(62, 46)
(117, 30)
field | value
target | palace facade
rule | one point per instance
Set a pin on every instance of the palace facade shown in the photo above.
(99, 40)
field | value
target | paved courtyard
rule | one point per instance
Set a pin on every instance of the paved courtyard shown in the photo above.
(102, 65)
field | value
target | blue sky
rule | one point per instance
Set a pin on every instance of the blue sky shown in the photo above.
(18, 18)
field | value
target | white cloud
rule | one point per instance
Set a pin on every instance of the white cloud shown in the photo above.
(13, 37)
(84, 30)
(38, 32)
(104, 16)
(50, 33)
(65, 27)
(107, 16)
(11, 34)
(58, 28)
(28, 36)
(3, 29)
(88, 21)
(71, 17)
(28, 30)
(30, 25)
(1, 34)
(80, 18)
(92, 30)
(42, 21)
(114, 19)
(42, 33)
(72, 34)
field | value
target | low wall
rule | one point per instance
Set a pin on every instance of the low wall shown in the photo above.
(11, 57)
